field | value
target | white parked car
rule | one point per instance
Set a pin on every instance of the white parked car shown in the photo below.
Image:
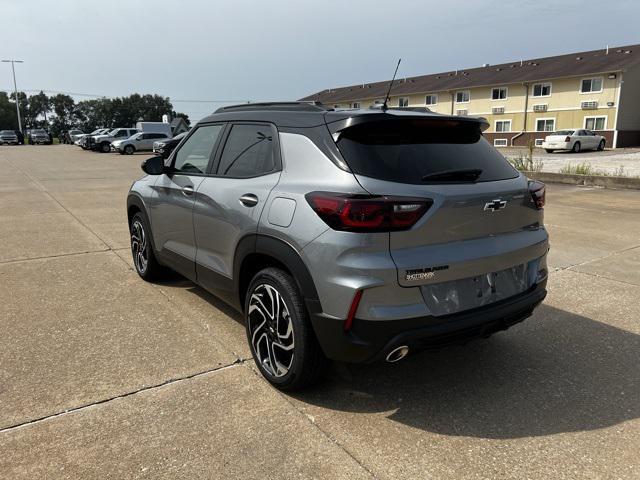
(139, 142)
(574, 140)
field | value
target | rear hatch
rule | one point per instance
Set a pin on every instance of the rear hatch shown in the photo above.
(483, 222)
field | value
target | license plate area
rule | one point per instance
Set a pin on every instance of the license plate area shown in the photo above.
(472, 292)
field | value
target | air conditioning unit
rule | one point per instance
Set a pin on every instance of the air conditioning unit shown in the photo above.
(497, 110)
(542, 107)
(588, 105)
(462, 113)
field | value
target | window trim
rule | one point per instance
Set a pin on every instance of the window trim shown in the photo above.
(277, 159)
(506, 93)
(533, 89)
(546, 118)
(505, 140)
(495, 125)
(170, 162)
(435, 95)
(462, 91)
(591, 91)
(595, 117)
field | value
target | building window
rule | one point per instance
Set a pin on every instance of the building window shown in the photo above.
(463, 96)
(542, 90)
(595, 123)
(539, 142)
(431, 99)
(545, 125)
(403, 102)
(499, 93)
(356, 105)
(336, 105)
(503, 125)
(462, 113)
(591, 85)
(500, 142)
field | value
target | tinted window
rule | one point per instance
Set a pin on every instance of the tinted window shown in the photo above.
(248, 151)
(406, 151)
(157, 135)
(194, 155)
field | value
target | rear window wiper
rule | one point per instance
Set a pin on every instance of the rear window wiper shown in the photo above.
(465, 175)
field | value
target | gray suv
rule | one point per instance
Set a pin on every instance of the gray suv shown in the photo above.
(352, 235)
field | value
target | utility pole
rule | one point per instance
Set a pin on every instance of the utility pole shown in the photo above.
(15, 88)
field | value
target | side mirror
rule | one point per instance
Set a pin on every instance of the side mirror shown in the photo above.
(153, 165)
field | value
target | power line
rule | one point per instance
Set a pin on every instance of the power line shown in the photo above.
(95, 95)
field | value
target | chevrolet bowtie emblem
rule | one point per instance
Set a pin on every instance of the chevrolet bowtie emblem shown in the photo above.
(495, 205)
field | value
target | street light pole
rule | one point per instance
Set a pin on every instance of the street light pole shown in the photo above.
(15, 88)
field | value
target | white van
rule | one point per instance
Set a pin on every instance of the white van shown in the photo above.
(154, 127)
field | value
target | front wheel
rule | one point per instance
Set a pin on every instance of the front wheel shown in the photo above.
(129, 149)
(105, 147)
(282, 341)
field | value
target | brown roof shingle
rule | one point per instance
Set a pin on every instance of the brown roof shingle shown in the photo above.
(572, 64)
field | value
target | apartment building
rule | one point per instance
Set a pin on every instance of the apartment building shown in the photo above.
(524, 100)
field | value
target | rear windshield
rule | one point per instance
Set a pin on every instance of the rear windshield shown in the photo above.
(563, 132)
(407, 151)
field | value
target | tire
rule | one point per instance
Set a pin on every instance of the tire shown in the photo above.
(548, 150)
(576, 147)
(105, 147)
(601, 145)
(298, 360)
(129, 149)
(144, 259)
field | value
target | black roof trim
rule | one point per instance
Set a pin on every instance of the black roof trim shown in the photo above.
(311, 106)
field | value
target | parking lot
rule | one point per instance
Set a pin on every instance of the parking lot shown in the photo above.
(105, 376)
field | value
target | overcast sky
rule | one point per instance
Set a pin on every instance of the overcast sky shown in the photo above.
(282, 50)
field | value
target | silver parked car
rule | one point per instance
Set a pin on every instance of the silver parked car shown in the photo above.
(574, 140)
(8, 137)
(140, 142)
(354, 235)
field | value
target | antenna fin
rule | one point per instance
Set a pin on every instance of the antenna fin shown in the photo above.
(386, 98)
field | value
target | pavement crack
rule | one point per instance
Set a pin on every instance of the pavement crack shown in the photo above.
(166, 383)
(46, 257)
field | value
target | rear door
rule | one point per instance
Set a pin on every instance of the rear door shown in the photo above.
(172, 209)
(229, 202)
(482, 218)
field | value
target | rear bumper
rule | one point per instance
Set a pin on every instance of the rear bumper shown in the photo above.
(556, 145)
(371, 340)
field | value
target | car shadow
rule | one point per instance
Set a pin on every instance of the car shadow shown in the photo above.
(556, 372)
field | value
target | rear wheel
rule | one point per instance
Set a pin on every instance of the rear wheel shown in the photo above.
(548, 150)
(601, 145)
(280, 335)
(576, 147)
(144, 259)
(129, 149)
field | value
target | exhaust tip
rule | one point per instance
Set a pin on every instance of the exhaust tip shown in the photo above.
(397, 354)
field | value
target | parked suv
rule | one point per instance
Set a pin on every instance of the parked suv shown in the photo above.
(8, 137)
(354, 235)
(141, 141)
(102, 143)
(40, 136)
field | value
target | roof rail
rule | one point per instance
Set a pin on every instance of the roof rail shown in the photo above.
(311, 106)
(408, 109)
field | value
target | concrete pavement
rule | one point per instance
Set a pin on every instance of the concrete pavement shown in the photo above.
(105, 376)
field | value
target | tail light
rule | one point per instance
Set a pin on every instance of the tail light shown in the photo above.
(538, 193)
(363, 213)
(567, 139)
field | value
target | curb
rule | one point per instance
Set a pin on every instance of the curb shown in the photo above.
(629, 183)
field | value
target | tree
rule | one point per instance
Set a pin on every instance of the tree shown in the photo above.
(38, 106)
(8, 117)
(64, 108)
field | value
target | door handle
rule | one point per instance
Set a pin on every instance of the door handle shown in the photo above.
(188, 190)
(249, 200)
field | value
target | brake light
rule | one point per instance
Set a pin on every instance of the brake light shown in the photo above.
(567, 139)
(538, 193)
(363, 213)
